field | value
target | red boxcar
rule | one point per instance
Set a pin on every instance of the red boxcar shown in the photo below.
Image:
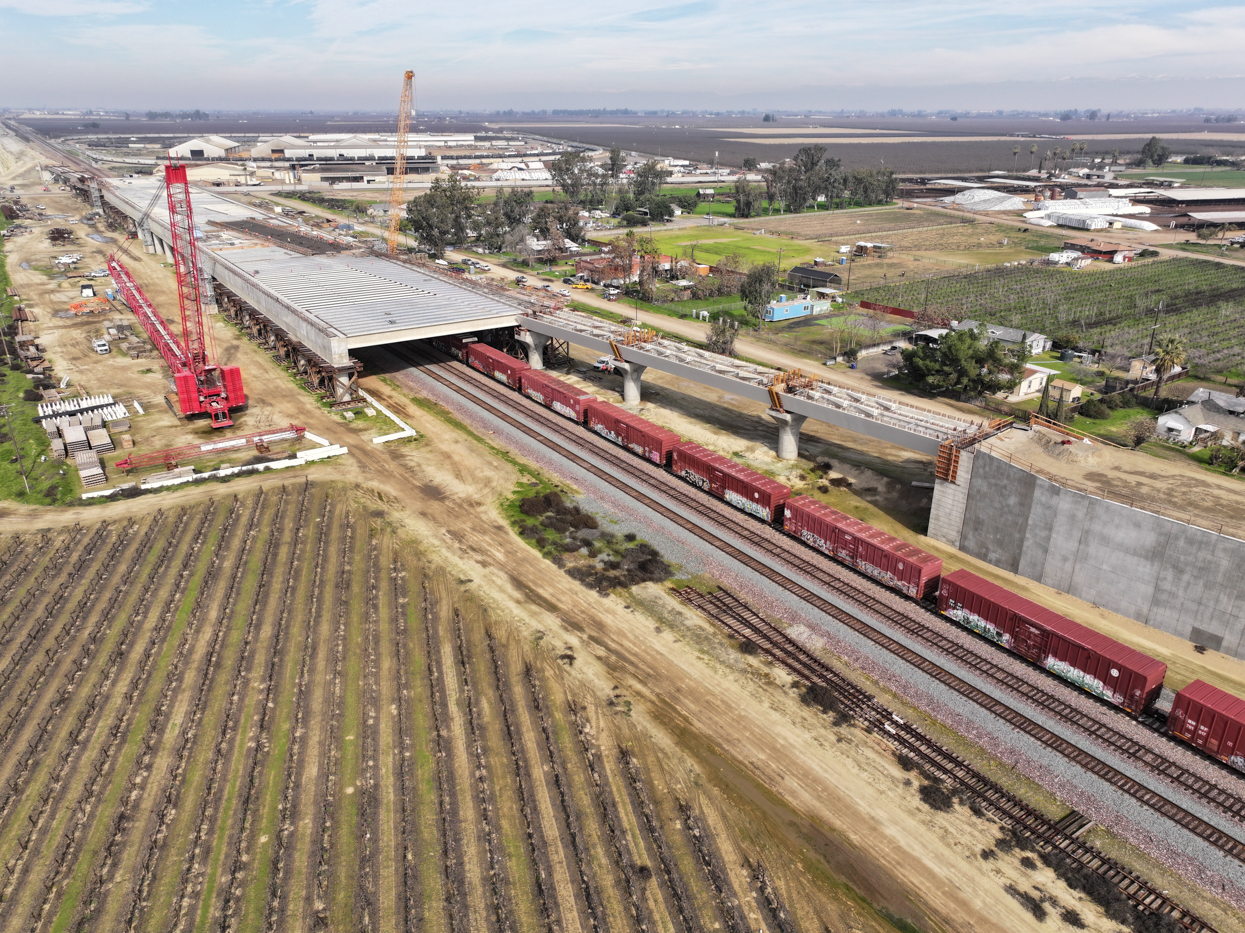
(553, 393)
(897, 564)
(1089, 659)
(492, 362)
(722, 477)
(1210, 719)
(631, 431)
(452, 345)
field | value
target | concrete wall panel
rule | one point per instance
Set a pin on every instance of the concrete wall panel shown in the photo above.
(1175, 577)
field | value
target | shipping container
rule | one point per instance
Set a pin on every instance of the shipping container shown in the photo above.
(1100, 665)
(492, 362)
(1210, 719)
(730, 481)
(631, 431)
(553, 393)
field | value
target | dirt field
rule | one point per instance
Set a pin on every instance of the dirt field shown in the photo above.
(856, 223)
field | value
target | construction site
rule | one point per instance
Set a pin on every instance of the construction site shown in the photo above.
(297, 629)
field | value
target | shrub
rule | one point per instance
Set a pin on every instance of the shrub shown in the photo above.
(584, 520)
(988, 854)
(936, 797)
(629, 536)
(747, 647)
(1030, 903)
(1095, 409)
(533, 506)
(31, 395)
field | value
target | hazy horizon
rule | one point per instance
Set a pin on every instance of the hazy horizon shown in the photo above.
(341, 55)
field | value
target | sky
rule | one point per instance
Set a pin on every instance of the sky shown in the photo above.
(492, 55)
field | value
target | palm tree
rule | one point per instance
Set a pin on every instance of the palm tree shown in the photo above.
(1058, 153)
(1115, 157)
(1015, 156)
(1032, 153)
(1170, 353)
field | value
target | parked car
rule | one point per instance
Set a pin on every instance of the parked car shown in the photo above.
(484, 267)
(568, 281)
(604, 364)
(441, 262)
(520, 279)
(101, 346)
(582, 285)
(97, 274)
(564, 292)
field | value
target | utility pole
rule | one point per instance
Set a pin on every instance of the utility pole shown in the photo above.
(1154, 328)
(17, 446)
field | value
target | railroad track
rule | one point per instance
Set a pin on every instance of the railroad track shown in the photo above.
(642, 475)
(742, 621)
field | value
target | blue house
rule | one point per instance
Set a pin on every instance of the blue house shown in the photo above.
(784, 309)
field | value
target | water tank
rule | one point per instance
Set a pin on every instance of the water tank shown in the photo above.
(1067, 356)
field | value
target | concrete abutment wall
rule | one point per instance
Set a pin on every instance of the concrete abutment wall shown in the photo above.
(1178, 578)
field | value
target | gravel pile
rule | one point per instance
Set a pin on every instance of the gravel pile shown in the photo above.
(1171, 844)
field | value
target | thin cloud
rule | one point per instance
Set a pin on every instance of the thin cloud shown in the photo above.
(666, 14)
(73, 7)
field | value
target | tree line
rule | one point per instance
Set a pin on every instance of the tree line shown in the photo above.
(810, 177)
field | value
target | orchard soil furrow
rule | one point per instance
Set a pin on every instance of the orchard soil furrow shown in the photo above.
(29, 580)
(498, 876)
(625, 861)
(185, 714)
(367, 896)
(67, 781)
(674, 884)
(48, 794)
(23, 553)
(386, 775)
(31, 649)
(413, 841)
(71, 668)
(769, 901)
(323, 814)
(257, 749)
(701, 842)
(284, 904)
(230, 750)
(101, 749)
(449, 807)
(533, 832)
(583, 865)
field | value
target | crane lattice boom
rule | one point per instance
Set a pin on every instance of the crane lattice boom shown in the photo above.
(399, 161)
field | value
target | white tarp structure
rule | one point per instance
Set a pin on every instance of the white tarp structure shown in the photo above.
(1080, 221)
(979, 199)
(1132, 223)
(1041, 221)
(1092, 206)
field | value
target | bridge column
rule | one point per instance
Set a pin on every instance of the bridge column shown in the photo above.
(535, 344)
(630, 373)
(788, 433)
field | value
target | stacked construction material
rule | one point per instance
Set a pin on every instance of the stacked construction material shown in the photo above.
(99, 440)
(179, 473)
(69, 406)
(75, 438)
(127, 442)
(53, 431)
(121, 424)
(89, 468)
(58, 448)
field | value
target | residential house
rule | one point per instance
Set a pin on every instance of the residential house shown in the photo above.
(1009, 336)
(1067, 392)
(1205, 413)
(784, 309)
(1145, 368)
(1031, 383)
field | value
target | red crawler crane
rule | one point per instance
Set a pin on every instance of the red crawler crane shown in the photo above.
(202, 386)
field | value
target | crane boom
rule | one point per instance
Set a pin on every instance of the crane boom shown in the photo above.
(186, 266)
(399, 161)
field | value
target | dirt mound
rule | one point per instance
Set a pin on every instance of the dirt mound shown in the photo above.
(1066, 449)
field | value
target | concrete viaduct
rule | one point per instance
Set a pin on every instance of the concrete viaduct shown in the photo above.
(313, 310)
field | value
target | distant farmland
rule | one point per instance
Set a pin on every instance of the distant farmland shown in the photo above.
(1113, 308)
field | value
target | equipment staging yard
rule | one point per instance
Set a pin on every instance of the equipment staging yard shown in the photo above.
(272, 691)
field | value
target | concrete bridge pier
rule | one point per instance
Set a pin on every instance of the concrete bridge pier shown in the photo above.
(630, 373)
(788, 433)
(535, 344)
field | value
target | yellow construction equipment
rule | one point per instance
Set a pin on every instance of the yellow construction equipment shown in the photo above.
(399, 161)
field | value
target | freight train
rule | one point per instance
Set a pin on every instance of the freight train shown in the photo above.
(1202, 715)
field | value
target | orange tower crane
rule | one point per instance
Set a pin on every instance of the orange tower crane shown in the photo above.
(399, 161)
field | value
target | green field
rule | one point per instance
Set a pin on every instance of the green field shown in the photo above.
(1108, 307)
(709, 244)
(1194, 175)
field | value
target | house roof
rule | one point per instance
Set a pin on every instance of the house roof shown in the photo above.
(998, 332)
(1065, 384)
(812, 272)
(1219, 402)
